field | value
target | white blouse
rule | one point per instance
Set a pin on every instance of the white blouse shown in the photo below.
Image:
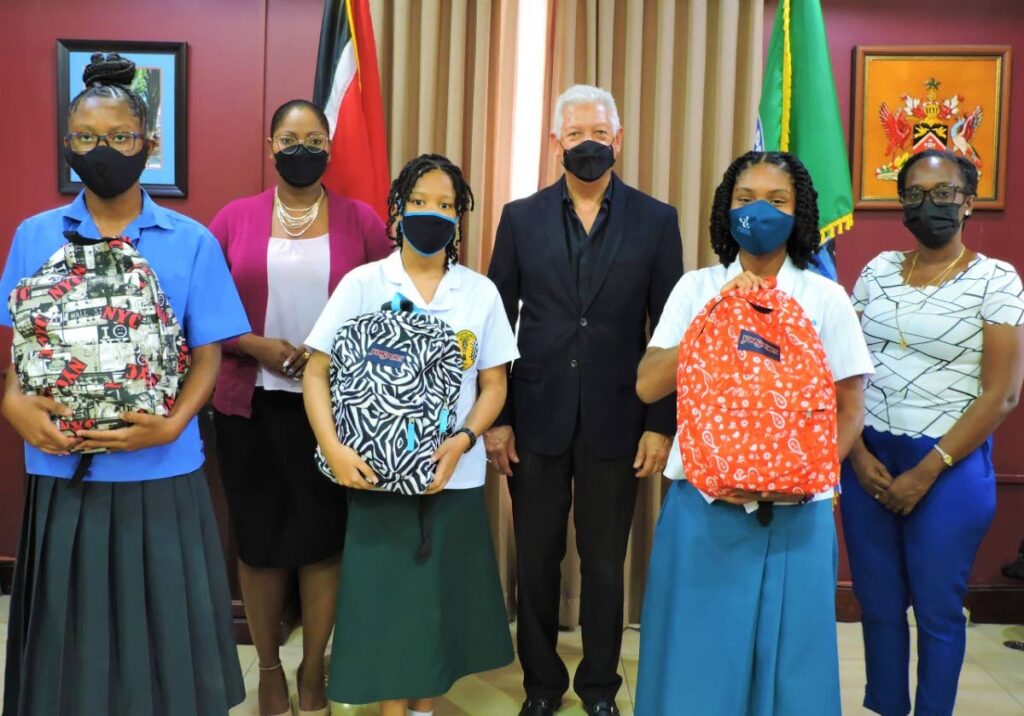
(465, 300)
(926, 343)
(298, 274)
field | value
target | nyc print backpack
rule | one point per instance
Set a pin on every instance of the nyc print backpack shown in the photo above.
(94, 331)
(756, 398)
(395, 378)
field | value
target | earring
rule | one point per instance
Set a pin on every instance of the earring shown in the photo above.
(968, 213)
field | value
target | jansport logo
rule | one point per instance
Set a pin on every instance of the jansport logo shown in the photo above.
(382, 355)
(750, 341)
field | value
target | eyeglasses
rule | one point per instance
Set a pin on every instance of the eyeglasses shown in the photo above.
(941, 195)
(314, 143)
(84, 142)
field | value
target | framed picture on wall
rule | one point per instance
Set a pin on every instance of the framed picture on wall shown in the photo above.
(161, 82)
(908, 99)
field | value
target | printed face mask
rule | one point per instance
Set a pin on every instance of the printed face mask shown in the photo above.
(760, 228)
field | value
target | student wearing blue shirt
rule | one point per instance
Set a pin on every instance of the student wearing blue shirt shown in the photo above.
(120, 602)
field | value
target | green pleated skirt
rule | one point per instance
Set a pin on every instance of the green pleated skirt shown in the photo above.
(120, 604)
(409, 629)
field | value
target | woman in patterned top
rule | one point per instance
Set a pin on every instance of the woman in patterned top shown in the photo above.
(943, 324)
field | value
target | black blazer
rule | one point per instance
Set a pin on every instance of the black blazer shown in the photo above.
(579, 354)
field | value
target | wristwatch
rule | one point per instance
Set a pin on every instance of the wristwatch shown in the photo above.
(471, 435)
(946, 457)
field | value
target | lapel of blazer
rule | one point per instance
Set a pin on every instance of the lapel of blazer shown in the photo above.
(552, 234)
(612, 240)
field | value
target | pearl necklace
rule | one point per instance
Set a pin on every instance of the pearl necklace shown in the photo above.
(296, 222)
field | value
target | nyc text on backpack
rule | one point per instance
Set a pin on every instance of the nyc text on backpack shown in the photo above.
(756, 400)
(94, 331)
(395, 377)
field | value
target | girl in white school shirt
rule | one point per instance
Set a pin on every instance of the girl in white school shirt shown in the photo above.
(406, 630)
(739, 618)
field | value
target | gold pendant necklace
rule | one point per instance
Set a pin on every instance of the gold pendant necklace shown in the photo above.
(937, 281)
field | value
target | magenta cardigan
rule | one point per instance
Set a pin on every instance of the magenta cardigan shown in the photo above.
(357, 236)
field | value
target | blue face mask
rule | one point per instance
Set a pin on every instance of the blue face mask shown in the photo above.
(760, 228)
(428, 232)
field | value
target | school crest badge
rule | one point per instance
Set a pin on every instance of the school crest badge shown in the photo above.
(469, 346)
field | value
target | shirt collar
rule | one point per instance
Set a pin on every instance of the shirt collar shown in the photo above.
(152, 215)
(606, 200)
(395, 273)
(786, 279)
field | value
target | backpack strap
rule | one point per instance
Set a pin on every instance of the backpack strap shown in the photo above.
(82, 468)
(425, 547)
(78, 240)
(400, 304)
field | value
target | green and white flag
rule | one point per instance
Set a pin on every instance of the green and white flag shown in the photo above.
(799, 113)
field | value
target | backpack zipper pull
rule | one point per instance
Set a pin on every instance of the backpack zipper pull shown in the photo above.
(410, 436)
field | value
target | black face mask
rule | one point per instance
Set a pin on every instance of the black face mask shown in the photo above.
(106, 171)
(428, 232)
(589, 160)
(302, 167)
(934, 226)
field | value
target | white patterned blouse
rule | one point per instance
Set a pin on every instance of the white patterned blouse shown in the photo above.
(926, 343)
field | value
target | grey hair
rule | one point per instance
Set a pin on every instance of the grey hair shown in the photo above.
(584, 94)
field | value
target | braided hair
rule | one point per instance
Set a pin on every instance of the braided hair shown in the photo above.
(968, 171)
(802, 243)
(405, 182)
(110, 76)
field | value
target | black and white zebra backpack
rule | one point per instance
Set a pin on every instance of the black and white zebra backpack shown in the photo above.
(395, 378)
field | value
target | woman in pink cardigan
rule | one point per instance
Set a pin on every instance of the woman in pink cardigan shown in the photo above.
(287, 249)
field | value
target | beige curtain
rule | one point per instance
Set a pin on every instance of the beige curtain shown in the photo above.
(447, 78)
(686, 75)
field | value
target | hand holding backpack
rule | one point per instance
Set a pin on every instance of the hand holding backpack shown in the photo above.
(94, 331)
(756, 400)
(395, 378)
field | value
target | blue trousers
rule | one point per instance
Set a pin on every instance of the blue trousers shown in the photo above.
(924, 560)
(739, 619)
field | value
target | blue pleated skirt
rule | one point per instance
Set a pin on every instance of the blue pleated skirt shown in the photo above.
(739, 619)
(120, 604)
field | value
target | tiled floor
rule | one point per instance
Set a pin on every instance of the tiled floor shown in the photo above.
(991, 684)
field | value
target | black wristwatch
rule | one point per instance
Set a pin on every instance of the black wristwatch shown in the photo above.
(471, 435)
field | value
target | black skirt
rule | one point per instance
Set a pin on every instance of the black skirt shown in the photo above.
(285, 512)
(120, 604)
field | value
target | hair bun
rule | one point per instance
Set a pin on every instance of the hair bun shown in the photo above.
(108, 69)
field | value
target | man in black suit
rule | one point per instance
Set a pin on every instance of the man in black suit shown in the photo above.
(584, 265)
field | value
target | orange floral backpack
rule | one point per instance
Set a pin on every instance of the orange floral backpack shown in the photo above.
(756, 398)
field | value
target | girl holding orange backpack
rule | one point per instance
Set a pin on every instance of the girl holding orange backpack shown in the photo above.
(748, 534)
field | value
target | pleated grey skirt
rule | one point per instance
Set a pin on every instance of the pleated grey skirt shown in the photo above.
(120, 604)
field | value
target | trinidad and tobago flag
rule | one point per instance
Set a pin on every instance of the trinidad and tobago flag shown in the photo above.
(348, 88)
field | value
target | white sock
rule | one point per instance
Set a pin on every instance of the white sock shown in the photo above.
(410, 712)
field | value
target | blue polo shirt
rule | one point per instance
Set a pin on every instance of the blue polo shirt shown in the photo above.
(194, 276)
